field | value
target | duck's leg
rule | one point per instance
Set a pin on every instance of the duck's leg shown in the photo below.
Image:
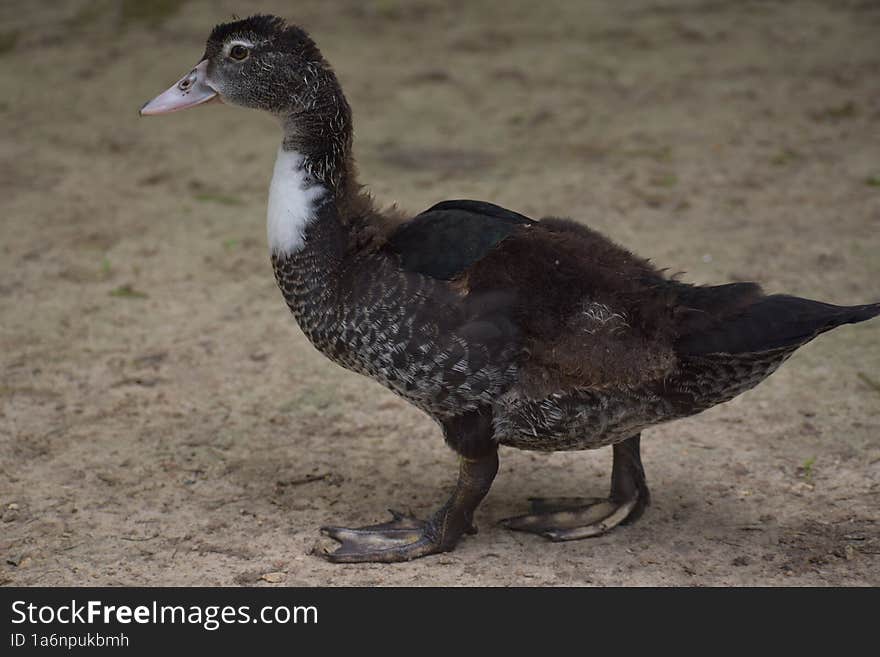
(406, 538)
(568, 519)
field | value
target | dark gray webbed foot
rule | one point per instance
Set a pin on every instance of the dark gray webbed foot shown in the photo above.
(572, 518)
(402, 539)
(569, 522)
(405, 538)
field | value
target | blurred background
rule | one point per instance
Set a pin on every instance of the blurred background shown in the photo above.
(163, 420)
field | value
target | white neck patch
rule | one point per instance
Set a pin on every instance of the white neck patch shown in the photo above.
(293, 203)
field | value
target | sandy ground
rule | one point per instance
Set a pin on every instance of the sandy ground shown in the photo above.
(164, 421)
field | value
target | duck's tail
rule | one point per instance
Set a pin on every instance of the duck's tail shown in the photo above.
(772, 322)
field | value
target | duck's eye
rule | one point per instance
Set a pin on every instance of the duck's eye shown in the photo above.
(238, 52)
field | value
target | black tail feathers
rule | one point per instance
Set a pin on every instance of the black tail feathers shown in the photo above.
(773, 322)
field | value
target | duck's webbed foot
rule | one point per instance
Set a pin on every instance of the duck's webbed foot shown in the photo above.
(405, 538)
(568, 519)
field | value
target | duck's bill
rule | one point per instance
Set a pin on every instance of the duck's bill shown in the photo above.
(191, 90)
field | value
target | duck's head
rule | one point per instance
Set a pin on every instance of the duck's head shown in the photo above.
(259, 62)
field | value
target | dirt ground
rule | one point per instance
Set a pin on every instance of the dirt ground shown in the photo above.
(164, 422)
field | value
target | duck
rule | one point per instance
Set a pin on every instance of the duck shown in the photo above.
(505, 330)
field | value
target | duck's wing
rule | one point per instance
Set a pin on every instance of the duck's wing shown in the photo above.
(591, 314)
(447, 238)
(571, 296)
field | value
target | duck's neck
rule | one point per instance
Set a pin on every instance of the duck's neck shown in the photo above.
(307, 237)
(297, 199)
(314, 180)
